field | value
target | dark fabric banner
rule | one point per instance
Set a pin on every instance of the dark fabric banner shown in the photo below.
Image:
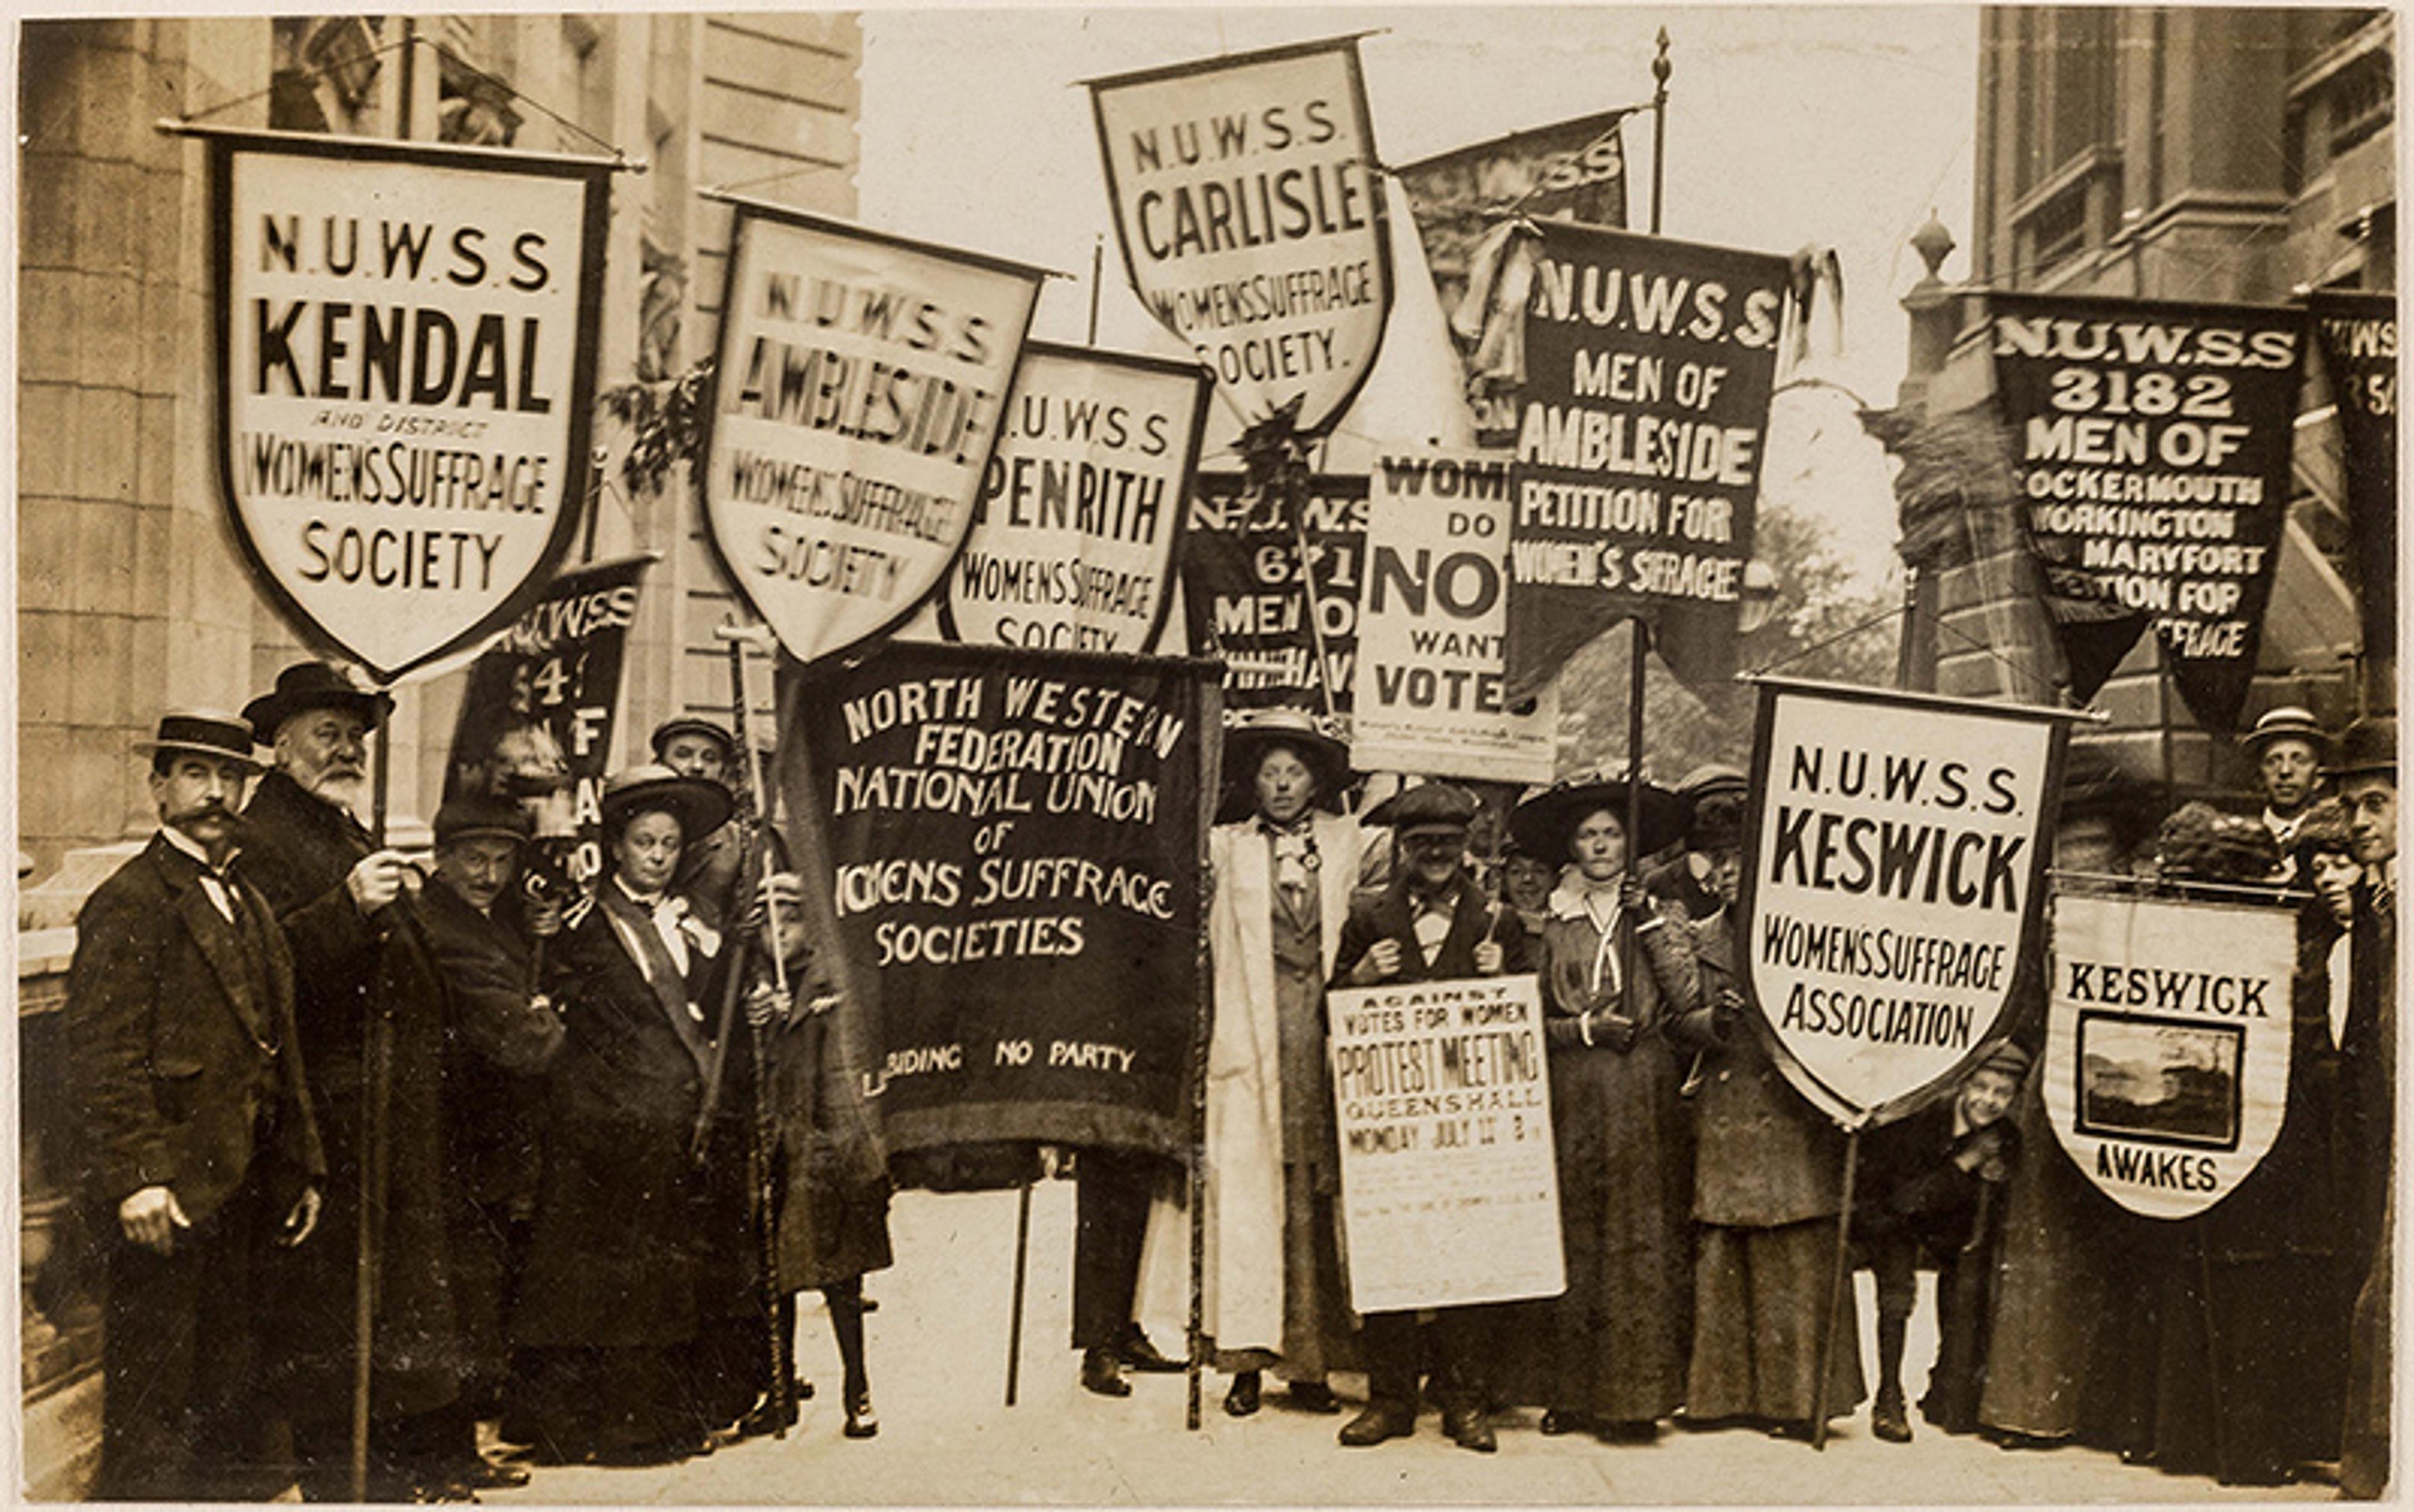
(1240, 589)
(1014, 852)
(1649, 365)
(2151, 445)
(2358, 339)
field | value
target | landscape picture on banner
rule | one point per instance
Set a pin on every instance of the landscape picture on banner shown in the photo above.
(2159, 1080)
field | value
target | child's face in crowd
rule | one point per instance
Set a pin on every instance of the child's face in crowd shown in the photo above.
(1987, 1096)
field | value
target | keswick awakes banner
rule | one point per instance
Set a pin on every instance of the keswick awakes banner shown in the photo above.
(407, 373)
(1073, 534)
(2358, 335)
(856, 403)
(1015, 843)
(1892, 878)
(2166, 1046)
(1251, 220)
(1240, 589)
(2152, 445)
(1649, 368)
(1430, 623)
(1450, 1187)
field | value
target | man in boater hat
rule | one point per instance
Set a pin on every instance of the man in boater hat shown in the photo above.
(2289, 748)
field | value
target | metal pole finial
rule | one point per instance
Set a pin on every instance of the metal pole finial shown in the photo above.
(1660, 66)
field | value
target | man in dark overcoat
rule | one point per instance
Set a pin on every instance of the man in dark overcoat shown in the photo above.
(359, 953)
(2366, 774)
(196, 1131)
(1430, 924)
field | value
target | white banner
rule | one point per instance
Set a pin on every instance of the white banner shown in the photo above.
(1449, 1190)
(860, 387)
(1897, 853)
(2167, 1044)
(1431, 620)
(407, 378)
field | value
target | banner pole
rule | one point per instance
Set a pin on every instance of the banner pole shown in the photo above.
(380, 1050)
(1293, 472)
(1841, 1278)
(1014, 1318)
(1660, 69)
(1208, 700)
(1627, 937)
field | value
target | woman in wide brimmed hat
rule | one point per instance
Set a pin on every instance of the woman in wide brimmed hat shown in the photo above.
(1619, 1342)
(1283, 870)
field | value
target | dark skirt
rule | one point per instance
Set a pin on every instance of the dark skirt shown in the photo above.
(1757, 1297)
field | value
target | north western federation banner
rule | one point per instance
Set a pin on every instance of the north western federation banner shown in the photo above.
(1649, 365)
(1240, 589)
(2358, 339)
(1014, 840)
(2151, 443)
(407, 373)
(1891, 888)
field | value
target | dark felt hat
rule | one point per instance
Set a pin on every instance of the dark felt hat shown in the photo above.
(307, 685)
(700, 807)
(208, 732)
(478, 817)
(2286, 723)
(1426, 806)
(690, 725)
(1545, 823)
(2367, 748)
(1715, 796)
(1253, 734)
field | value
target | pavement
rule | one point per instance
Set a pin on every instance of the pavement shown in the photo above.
(937, 1351)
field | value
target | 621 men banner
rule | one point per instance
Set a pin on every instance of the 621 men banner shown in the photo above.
(2166, 1046)
(1891, 884)
(855, 407)
(2152, 445)
(1648, 369)
(1015, 838)
(1252, 222)
(407, 372)
(1240, 576)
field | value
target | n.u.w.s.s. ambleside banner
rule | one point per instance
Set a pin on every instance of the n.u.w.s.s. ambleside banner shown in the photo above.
(406, 376)
(2167, 1044)
(2357, 335)
(855, 404)
(1251, 220)
(1015, 851)
(2152, 441)
(1430, 622)
(1241, 592)
(1893, 872)
(1649, 365)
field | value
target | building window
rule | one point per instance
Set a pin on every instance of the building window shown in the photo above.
(2363, 100)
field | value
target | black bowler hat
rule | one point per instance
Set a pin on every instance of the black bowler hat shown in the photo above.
(1545, 823)
(1425, 807)
(478, 817)
(307, 685)
(700, 807)
(204, 732)
(2367, 748)
(689, 724)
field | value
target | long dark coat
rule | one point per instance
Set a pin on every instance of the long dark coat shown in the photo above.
(297, 851)
(833, 1169)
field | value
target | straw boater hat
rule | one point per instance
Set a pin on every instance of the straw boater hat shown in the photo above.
(1545, 823)
(2286, 723)
(2367, 748)
(208, 732)
(1424, 808)
(480, 817)
(689, 724)
(307, 685)
(700, 807)
(1253, 734)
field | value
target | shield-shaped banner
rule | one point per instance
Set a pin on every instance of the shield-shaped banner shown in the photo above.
(407, 372)
(2168, 1043)
(1073, 536)
(1891, 885)
(855, 404)
(1252, 221)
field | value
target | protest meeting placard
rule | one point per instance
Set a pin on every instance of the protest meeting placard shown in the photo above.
(2151, 441)
(1240, 589)
(2357, 336)
(2167, 1044)
(1649, 365)
(1251, 221)
(857, 400)
(1450, 1187)
(1014, 838)
(1891, 887)
(1430, 624)
(405, 387)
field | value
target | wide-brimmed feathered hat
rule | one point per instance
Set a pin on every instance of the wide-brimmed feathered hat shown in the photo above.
(307, 685)
(1544, 822)
(1254, 733)
(700, 807)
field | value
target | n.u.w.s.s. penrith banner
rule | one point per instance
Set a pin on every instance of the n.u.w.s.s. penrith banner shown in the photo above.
(1015, 851)
(1242, 595)
(406, 381)
(1893, 877)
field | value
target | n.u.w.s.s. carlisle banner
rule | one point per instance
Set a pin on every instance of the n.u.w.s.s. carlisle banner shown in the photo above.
(1430, 622)
(1073, 536)
(1891, 892)
(2168, 1043)
(407, 372)
(1251, 219)
(855, 404)
(1240, 589)
(1015, 848)
(2152, 445)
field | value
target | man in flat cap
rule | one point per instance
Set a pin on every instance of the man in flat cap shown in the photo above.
(196, 1125)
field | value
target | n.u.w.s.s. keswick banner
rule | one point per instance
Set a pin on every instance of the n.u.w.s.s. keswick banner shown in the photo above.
(2357, 334)
(1649, 365)
(406, 376)
(1242, 595)
(1073, 536)
(2151, 441)
(1892, 884)
(1015, 846)
(2168, 1043)
(855, 404)
(1251, 220)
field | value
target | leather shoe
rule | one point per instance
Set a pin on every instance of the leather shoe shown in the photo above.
(1469, 1428)
(1558, 1421)
(1143, 1356)
(1103, 1374)
(1381, 1420)
(1888, 1420)
(481, 1473)
(861, 1421)
(1628, 1431)
(1313, 1397)
(1244, 1397)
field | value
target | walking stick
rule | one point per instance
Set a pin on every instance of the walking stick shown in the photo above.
(375, 1138)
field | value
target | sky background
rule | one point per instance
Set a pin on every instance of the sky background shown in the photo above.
(1841, 127)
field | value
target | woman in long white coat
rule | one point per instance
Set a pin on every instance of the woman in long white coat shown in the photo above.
(1283, 875)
